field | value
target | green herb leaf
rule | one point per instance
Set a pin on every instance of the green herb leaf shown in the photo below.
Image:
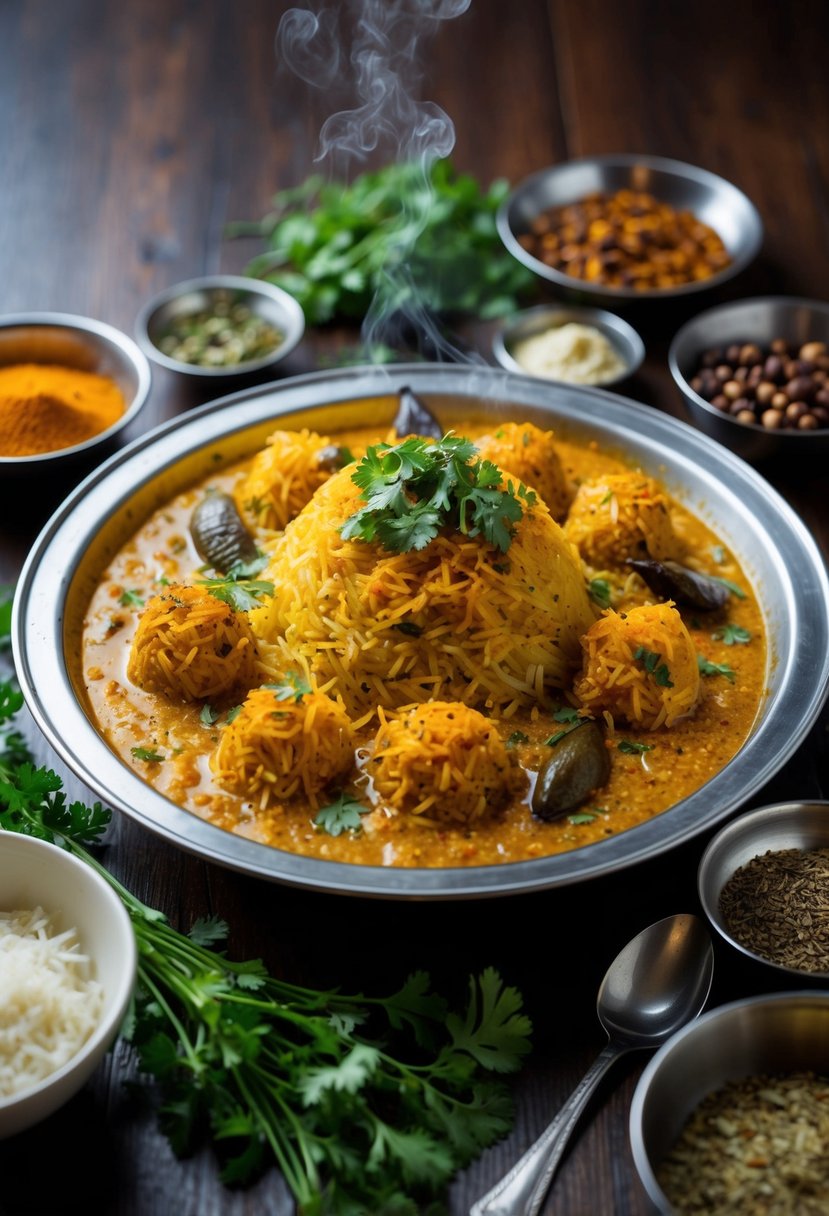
(147, 753)
(732, 635)
(344, 815)
(707, 668)
(653, 665)
(516, 738)
(582, 817)
(130, 599)
(599, 590)
(732, 587)
(417, 487)
(494, 1031)
(409, 628)
(629, 748)
(291, 687)
(239, 587)
(208, 715)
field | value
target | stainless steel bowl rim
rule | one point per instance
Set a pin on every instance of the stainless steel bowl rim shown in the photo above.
(641, 1157)
(802, 674)
(629, 160)
(65, 320)
(217, 282)
(524, 322)
(760, 816)
(787, 436)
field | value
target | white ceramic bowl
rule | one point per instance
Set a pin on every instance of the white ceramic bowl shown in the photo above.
(34, 873)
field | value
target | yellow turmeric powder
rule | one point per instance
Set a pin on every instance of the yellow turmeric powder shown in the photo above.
(45, 407)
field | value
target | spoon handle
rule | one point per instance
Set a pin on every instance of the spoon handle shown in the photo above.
(521, 1192)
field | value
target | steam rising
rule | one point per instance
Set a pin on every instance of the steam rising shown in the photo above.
(375, 46)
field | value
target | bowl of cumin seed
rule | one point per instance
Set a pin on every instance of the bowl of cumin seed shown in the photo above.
(763, 883)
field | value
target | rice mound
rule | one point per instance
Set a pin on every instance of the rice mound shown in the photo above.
(190, 646)
(620, 516)
(444, 762)
(275, 749)
(640, 666)
(532, 457)
(456, 620)
(282, 478)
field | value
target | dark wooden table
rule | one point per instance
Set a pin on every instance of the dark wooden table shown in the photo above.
(130, 134)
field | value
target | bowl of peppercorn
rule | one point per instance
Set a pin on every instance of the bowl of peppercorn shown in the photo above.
(220, 327)
(620, 229)
(754, 374)
(763, 882)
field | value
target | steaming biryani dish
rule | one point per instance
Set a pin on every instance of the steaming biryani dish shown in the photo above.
(417, 649)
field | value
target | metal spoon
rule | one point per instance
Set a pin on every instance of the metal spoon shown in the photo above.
(660, 981)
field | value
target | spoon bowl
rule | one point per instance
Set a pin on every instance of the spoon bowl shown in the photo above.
(659, 982)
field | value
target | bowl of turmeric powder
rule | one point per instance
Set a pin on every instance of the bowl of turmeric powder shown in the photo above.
(68, 385)
(613, 230)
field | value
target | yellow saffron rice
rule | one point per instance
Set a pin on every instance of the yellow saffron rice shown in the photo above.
(457, 620)
(531, 456)
(640, 667)
(276, 749)
(621, 516)
(282, 478)
(444, 762)
(190, 646)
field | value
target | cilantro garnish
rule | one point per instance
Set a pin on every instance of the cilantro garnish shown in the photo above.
(732, 635)
(629, 748)
(286, 1073)
(130, 599)
(413, 489)
(707, 668)
(599, 591)
(343, 815)
(239, 587)
(572, 719)
(516, 738)
(292, 686)
(582, 817)
(651, 661)
(732, 587)
(147, 753)
(208, 715)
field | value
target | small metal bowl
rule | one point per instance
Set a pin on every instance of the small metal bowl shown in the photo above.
(623, 337)
(195, 295)
(89, 346)
(36, 874)
(712, 199)
(780, 1033)
(759, 320)
(786, 825)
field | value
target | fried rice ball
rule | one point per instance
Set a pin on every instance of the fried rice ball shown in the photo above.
(283, 477)
(624, 515)
(530, 454)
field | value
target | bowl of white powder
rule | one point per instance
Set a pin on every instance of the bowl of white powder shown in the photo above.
(569, 345)
(67, 970)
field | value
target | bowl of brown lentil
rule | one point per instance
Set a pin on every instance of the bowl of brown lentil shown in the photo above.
(613, 230)
(754, 375)
(220, 327)
(763, 883)
(732, 1113)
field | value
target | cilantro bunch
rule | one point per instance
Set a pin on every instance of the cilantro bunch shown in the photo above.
(414, 488)
(391, 236)
(366, 1104)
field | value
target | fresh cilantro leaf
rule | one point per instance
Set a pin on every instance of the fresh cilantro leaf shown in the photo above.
(599, 591)
(291, 687)
(5, 620)
(567, 714)
(349, 1075)
(629, 748)
(147, 753)
(494, 1031)
(130, 599)
(516, 738)
(208, 715)
(344, 815)
(11, 700)
(239, 587)
(732, 635)
(732, 587)
(582, 817)
(233, 714)
(208, 930)
(707, 668)
(653, 665)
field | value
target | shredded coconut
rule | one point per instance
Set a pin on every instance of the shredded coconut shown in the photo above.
(579, 354)
(49, 1002)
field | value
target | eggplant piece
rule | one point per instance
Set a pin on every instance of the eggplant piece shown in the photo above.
(678, 583)
(414, 418)
(219, 534)
(580, 764)
(330, 458)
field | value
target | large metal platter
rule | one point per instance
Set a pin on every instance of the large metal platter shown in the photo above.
(777, 553)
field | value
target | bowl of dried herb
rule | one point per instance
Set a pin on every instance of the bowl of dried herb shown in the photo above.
(763, 883)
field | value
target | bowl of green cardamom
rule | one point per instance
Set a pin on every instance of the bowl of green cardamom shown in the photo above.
(763, 882)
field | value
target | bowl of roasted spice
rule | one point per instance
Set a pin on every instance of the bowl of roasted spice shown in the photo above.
(569, 344)
(732, 1113)
(764, 885)
(67, 969)
(220, 326)
(626, 228)
(68, 385)
(754, 374)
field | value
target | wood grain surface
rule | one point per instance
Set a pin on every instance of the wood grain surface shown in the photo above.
(131, 134)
